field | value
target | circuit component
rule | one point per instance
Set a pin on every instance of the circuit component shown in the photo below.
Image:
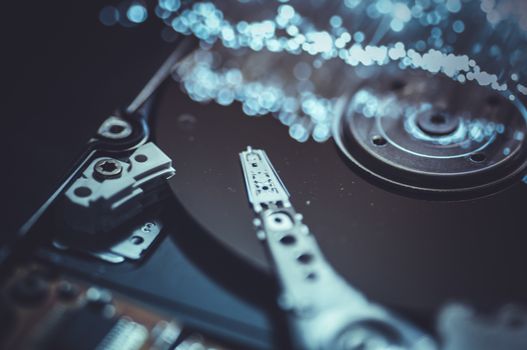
(45, 311)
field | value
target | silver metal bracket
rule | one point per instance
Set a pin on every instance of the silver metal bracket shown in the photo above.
(325, 312)
(111, 191)
(133, 247)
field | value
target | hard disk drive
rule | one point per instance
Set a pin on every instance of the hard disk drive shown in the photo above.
(296, 175)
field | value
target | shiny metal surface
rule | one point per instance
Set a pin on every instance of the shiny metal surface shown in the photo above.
(324, 311)
(406, 252)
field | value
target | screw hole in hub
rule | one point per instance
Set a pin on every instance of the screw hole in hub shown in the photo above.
(379, 140)
(477, 157)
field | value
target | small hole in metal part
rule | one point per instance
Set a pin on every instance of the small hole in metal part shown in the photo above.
(116, 129)
(265, 188)
(311, 276)
(137, 240)
(254, 165)
(378, 140)
(141, 158)
(82, 191)
(288, 240)
(278, 220)
(477, 157)
(305, 258)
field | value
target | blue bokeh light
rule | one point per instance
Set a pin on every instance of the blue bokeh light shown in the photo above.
(137, 13)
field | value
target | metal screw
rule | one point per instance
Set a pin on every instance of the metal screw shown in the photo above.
(108, 168)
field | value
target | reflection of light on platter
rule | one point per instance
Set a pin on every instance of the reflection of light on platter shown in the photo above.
(450, 37)
(204, 84)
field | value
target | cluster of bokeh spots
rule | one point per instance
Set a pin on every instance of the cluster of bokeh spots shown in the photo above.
(305, 113)
(451, 37)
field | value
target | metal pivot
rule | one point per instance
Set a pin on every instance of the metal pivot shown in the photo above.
(111, 191)
(324, 311)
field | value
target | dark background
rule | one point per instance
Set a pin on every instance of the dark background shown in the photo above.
(64, 72)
